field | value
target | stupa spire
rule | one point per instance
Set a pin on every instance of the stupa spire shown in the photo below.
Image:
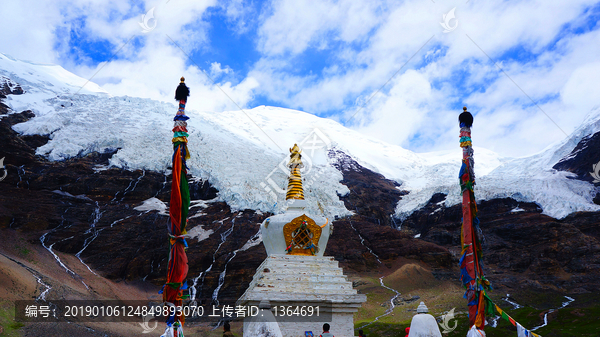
(295, 190)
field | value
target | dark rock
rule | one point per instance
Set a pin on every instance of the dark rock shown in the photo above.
(202, 190)
(582, 159)
(358, 283)
(519, 246)
(16, 149)
(371, 195)
(445, 274)
(387, 244)
(93, 215)
(406, 300)
(8, 87)
(4, 109)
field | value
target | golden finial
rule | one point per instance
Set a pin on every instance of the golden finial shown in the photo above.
(295, 157)
(464, 107)
(182, 80)
(295, 190)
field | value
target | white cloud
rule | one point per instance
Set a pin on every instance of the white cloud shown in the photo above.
(217, 70)
(583, 84)
(292, 26)
(364, 43)
(145, 65)
(26, 33)
(241, 14)
(510, 122)
(157, 74)
(396, 116)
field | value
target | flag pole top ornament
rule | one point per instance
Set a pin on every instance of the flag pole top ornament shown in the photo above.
(465, 119)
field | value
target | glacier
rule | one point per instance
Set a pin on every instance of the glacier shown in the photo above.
(243, 153)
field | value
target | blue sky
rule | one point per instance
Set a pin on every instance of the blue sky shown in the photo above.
(527, 69)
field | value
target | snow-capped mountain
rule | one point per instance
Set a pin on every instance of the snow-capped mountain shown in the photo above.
(243, 153)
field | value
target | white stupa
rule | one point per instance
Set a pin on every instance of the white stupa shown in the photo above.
(263, 325)
(295, 273)
(423, 324)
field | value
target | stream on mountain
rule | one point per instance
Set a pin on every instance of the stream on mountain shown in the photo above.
(396, 293)
(564, 304)
(93, 232)
(224, 235)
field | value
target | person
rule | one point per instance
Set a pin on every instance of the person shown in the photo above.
(361, 334)
(407, 331)
(326, 332)
(227, 330)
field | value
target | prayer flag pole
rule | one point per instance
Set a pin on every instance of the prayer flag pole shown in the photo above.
(177, 268)
(472, 276)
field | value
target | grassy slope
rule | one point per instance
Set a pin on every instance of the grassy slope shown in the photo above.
(8, 326)
(580, 318)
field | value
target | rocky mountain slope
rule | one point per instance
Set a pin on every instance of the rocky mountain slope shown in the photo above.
(96, 216)
(72, 207)
(92, 214)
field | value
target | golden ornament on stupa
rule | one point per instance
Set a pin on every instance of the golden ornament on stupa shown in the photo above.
(295, 232)
(302, 236)
(295, 190)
